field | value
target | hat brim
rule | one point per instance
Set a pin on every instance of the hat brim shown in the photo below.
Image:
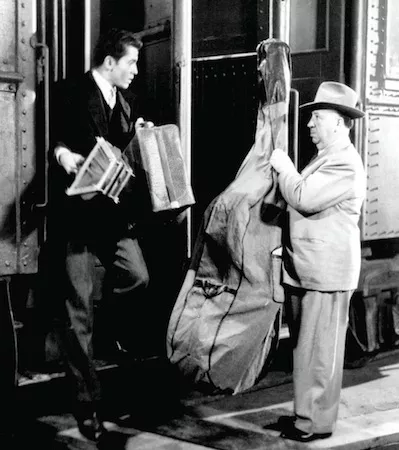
(353, 113)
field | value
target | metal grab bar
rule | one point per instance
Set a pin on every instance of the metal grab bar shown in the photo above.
(295, 125)
(63, 41)
(55, 41)
(11, 77)
(151, 32)
(43, 71)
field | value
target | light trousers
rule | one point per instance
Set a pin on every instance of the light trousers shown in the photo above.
(318, 323)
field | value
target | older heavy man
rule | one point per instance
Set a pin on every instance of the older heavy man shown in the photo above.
(321, 258)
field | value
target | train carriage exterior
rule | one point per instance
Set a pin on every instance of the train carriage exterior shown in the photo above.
(198, 70)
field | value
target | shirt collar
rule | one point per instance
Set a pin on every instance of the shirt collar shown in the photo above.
(104, 85)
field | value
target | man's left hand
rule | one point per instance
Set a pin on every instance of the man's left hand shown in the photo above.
(280, 161)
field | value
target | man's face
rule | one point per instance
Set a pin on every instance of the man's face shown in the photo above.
(323, 126)
(125, 69)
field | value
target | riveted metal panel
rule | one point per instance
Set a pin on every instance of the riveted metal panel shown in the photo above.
(381, 208)
(8, 188)
(7, 35)
(18, 229)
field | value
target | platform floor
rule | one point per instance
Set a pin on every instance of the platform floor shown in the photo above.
(153, 413)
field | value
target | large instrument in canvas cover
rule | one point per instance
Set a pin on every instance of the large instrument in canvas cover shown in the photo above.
(225, 323)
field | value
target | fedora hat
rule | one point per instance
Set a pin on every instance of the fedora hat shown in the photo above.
(337, 96)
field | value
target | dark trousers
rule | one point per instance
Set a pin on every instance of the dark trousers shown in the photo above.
(125, 282)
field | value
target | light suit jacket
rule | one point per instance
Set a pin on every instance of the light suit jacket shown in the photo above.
(322, 248)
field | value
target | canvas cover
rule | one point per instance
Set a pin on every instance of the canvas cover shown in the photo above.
(225, 323)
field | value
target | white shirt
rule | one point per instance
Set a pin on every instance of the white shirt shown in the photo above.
(108, 91)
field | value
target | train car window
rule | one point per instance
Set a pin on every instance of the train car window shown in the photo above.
(224, 27)
(308, 25)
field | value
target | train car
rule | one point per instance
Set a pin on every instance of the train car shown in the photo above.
(197, 70)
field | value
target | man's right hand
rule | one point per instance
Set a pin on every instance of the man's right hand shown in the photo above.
(70, 161)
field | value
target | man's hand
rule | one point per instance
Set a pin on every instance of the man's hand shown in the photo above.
(280, 161)
(141, 123)
(70, 161)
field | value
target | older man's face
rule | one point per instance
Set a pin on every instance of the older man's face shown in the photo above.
(323, 127)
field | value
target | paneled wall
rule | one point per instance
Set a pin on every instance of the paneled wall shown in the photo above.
(381, 212)
(18, 235)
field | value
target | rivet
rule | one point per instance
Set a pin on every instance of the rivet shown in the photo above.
(24, 112)
(23, 23)
(23, 94)
(24, 147)
(25, 263)
(5, 61)
(23, 40)
(23, 130)
(25, 165)
(7, 263)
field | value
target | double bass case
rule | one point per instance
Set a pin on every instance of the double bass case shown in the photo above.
(225, 323)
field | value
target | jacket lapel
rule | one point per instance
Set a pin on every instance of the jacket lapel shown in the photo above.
(96, 106)
(126, 111)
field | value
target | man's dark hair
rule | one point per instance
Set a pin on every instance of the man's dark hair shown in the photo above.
(114, 43)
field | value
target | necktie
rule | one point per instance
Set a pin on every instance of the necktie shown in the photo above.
(112, 98)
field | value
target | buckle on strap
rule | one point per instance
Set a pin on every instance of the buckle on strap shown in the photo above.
(212, 289)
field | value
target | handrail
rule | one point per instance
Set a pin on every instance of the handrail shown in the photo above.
(55, 41)
(226, 56)
(11, 77)
(44, 76)
(295, 125)
(182, 67)
(151, 32)
(63, 40)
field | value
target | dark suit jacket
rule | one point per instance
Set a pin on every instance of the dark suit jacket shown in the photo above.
(80, 115)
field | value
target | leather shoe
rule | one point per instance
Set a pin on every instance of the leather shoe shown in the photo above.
(91, 428)
(285, 422)
(295, 434)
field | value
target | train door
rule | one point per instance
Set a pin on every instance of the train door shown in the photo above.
(20, 191)
(317, 42)
(225, 35)
(19, 237)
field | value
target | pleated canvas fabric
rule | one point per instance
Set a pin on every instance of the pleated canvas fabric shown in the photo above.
(225, 323)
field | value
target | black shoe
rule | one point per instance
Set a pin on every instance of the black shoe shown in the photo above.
(285, 422)
(302, 436)
(91, 428)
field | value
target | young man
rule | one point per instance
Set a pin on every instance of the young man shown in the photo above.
(98, 104)
(321, 258)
